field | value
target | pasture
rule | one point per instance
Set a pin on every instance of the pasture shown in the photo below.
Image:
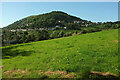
(65, 57)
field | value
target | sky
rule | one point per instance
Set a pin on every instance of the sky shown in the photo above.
(91, 11)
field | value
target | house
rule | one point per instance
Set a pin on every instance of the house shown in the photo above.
(82, 25)
(59, 21)
(77, 21)
(13, 30)
(18, 30)
(86, 25)
(23, 30)
(65, 27)
(27, 24)
(30, 29)
(57, 26)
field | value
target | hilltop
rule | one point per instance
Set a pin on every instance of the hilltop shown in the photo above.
(47, 20)
(51, 25)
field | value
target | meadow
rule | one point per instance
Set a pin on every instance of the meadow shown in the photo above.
(65, 57)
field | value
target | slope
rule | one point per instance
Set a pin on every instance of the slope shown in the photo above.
(94, 51)
(46, 20)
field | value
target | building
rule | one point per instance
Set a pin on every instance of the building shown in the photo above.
(65, 27)
(30, 29)
(77, 21)
(86, 25)
(59, 21)
(23, 30)
(57, 26)
(13, 30)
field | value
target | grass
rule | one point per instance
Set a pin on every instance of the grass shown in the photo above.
(73, 55)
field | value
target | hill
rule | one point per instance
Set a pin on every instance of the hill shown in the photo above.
(65, 57)
(52, 19)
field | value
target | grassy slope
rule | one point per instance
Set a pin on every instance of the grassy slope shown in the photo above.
(98, 51)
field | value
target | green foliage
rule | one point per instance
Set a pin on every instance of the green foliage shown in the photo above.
(44, 21)
(36, 35)
(80, 53)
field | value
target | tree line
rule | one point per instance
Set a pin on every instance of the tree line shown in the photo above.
(18, 37)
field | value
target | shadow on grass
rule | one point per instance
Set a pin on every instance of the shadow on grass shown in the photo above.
(12, 51)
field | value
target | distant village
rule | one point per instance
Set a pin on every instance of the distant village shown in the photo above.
(57, 26)
(14, 30)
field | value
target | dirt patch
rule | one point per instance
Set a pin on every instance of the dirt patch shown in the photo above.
(104, 74)
(74, 34)
(69, 76)
(62, 74)
(48, 73)
(40, 72)
(116, 41)
(15, 72)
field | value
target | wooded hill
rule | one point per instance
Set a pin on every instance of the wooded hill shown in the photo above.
(47, 20)
(49, 26)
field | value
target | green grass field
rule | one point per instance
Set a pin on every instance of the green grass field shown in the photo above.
(68, 55)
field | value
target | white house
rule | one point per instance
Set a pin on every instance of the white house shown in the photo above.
(59, 21)
(13, 30)
(57, 26)
(23, 30)
(65, 27)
